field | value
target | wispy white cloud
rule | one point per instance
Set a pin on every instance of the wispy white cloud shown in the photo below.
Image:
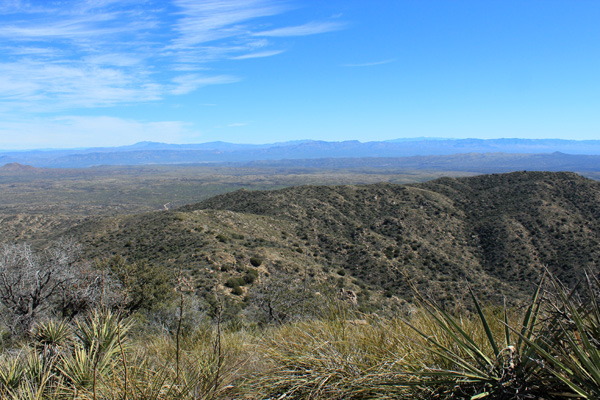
(101, 53)
(19, 6)
(212, 30)
(184, 84)
(210, 20)
(64, 55)
(237, 124)
(115, 59)
(260, 54)
(72, 21)
(55, 86)
(370, 64)
(87, 26)
(31, 51)
(311, 28)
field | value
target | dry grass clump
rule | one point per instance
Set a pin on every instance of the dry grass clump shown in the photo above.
(334, 359)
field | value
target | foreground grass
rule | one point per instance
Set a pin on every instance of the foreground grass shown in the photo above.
(548, 349)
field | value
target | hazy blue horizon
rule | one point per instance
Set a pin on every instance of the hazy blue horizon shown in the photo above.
(299, 141)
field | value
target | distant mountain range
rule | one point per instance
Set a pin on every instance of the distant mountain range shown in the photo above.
(144, 153)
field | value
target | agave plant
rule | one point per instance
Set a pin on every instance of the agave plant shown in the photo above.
(51, 333)
(476, 368)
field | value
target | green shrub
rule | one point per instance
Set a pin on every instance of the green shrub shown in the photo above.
(237, 291)
(235, 282)
(251, 276)
(146, 286)
(256, 261)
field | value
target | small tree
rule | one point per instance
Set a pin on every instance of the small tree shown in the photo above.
(282, 297)
(31, 281)
(143, 286)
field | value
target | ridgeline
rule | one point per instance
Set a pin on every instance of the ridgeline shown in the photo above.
(496, 232)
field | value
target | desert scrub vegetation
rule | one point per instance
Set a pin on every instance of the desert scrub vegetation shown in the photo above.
(547, 349)
(98, 357)
(291, 343)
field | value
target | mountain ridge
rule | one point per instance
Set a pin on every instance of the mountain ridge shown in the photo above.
(498, 232)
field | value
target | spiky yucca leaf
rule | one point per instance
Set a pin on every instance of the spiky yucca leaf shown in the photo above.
(78, 367)
(38, 383)
(96, 351)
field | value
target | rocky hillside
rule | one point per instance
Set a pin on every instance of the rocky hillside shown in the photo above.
(496, 232)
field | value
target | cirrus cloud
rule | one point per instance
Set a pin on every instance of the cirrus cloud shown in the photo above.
(311, 28)
(57, 56)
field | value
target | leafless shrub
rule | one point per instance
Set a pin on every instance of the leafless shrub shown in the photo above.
(34, 284)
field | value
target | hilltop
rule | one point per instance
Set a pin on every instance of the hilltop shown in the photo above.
(496, 232)
(16, 167)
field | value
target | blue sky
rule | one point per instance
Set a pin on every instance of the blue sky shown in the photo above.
(114, 72)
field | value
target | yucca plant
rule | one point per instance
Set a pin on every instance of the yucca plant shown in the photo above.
(81, 367)
(53, 333)
(100, 342)
(39, 381)
(50, 338)
(32, 373)
(102, 330)
(24, 376)
(571, 348)
(479, 362)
